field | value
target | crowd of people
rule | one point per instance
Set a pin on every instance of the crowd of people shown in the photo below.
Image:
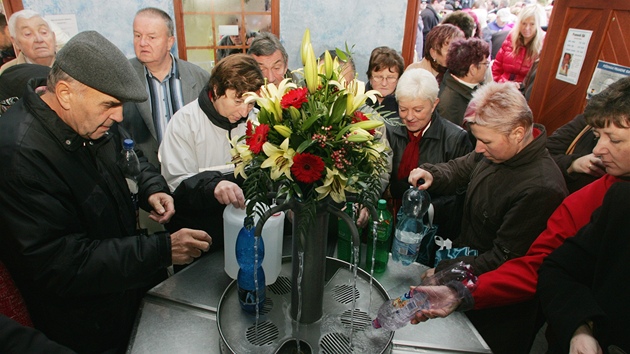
(459, 126)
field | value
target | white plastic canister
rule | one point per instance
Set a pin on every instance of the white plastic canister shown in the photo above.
(272, 237)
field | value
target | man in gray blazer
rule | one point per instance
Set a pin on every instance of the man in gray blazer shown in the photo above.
(170, 82)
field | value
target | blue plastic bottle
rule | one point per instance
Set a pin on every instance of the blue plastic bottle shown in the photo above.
(410, 227)
(250, 251)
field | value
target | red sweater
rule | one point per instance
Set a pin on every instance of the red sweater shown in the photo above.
(515, 280)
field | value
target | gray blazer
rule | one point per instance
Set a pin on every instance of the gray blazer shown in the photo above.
(138, 120)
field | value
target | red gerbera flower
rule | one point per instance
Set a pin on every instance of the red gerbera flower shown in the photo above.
(256, 139)
(359, 117)
(294, 98)
(307, 168)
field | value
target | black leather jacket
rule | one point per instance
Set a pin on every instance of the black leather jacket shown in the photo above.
(68, 227)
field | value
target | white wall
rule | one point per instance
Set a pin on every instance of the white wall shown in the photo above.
(112, 18)
(366, 24)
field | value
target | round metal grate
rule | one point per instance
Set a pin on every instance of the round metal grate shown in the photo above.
(281, 286)
(344, 293)
(335, 343)
(361, 320)
(263, 334)
(267, 306)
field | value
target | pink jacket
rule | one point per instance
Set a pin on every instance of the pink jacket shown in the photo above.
(515, 280)
(508, 66)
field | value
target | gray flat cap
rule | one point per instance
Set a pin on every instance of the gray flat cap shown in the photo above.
(91, 59)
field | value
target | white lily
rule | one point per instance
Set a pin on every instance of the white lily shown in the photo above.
(241, 156)
(280, 159)
(357, 96)
(334, 185)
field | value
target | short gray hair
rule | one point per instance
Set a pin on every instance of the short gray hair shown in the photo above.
(153, 11)
(25, 14)
(265, 44)
(417, 84)
(500, 106)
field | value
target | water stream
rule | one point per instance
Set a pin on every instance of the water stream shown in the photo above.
(355, 252)
(256, 289)
(296, 323)
(374, 238)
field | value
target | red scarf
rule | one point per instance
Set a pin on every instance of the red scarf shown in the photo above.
(411, 155)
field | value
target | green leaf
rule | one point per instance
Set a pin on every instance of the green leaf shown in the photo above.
(305, 144)
(338, 110)
(308, 122)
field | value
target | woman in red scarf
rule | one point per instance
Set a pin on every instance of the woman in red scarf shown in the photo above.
(422, 135)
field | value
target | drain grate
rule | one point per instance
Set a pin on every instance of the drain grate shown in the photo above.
(344, 293)
(335, 343)
(281, 286)
(361, 320)
(267, 306)
(263, 334)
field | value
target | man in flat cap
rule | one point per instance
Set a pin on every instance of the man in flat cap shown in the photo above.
(68, 223)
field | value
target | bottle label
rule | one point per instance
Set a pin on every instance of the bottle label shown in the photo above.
(402, 301)
(405, 249)
(248, 297)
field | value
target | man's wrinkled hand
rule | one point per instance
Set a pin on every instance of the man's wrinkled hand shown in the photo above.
(228, 192)
(188, 244)
(163, 207)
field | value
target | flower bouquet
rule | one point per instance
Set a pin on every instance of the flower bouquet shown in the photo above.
(311, 143)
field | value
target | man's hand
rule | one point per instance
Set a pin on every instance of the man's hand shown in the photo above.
(583, 342)
(442, 299)
(187, 244)
(228, 192)
(163, 207)
(418, 174)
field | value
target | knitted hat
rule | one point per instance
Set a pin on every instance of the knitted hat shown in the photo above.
(91, 59)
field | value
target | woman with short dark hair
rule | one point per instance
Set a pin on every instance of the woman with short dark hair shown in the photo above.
(467, 63)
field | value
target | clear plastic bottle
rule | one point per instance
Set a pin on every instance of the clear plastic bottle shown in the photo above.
(250, 252)
(396, 313)
(130, 167)
(410, 227)
(383, 234)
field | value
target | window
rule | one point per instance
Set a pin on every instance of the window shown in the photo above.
(206, 29)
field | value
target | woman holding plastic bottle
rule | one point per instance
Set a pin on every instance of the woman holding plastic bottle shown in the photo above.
(423, 136)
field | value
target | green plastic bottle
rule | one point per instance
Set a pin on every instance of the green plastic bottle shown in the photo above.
(383, 233)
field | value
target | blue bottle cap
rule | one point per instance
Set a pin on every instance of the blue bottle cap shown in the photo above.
(128, 144)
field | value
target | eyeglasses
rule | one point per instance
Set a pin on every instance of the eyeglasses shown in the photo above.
(389, 79)
(486, 63)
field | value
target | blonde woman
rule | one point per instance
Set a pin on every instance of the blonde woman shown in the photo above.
(521, 47)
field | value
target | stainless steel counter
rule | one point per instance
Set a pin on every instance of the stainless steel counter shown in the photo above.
(179, 315)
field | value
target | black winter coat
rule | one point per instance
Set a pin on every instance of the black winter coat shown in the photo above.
(68, 228)
(507, 204)
(454, 98)
(587, 278)
(443, 141)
